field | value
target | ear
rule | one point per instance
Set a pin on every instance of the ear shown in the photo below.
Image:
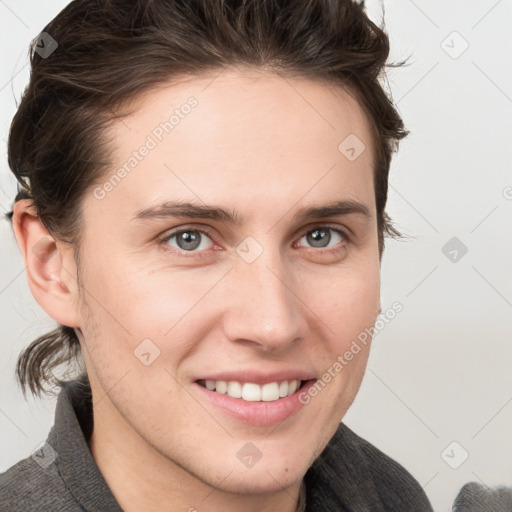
(50, 265)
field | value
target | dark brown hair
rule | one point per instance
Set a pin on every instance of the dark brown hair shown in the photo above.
(109, 51)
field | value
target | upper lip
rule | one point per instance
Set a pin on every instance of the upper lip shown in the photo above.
(258, 376)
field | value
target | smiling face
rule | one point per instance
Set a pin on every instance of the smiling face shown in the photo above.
(250, 283)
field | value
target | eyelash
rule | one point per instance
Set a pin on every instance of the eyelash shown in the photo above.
(188, 254)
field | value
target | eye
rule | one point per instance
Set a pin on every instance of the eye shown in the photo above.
(196, 241)
(188, 240)
(321, 236)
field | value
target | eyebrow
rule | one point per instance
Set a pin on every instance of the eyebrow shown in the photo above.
(172, 209)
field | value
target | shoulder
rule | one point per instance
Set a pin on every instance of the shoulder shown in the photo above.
(30, 486)
(397, 487)
(385, 470)
(474, 497)
(369, 477)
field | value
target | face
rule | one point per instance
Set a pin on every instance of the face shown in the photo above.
(251, 287)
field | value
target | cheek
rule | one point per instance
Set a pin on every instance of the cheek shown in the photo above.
(141, 300)
(129, 306)
(132, 303)
(350, 303)
(172, 305)
(350, 309)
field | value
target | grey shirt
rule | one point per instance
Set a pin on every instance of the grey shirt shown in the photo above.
(349, 475)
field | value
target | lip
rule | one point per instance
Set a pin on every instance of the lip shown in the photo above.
(254, 413)
(259, 378)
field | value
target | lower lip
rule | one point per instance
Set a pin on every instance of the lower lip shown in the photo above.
(256, 413)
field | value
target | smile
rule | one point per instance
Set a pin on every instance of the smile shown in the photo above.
(252, 392)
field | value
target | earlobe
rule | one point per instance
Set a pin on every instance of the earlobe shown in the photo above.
(49, 278)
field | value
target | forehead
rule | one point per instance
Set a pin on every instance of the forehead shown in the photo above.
(235, 134)
(233, 104)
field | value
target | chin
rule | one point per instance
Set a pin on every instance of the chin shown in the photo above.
(267, 480)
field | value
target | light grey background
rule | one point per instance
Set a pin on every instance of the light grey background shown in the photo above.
(440, 372)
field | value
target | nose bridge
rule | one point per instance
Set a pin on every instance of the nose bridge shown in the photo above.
(264, 310)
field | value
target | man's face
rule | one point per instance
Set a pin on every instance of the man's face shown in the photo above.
(275, 297)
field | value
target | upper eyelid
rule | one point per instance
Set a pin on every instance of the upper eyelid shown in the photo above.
(345, 232)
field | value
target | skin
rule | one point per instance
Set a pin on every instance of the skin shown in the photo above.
(264, 146)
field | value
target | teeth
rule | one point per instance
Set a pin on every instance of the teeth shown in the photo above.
(292, 387)
(270, 392)
(235, 389)
(252, 392)
(221, 386)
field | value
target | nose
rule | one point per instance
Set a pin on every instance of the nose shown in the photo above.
(263, 308)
